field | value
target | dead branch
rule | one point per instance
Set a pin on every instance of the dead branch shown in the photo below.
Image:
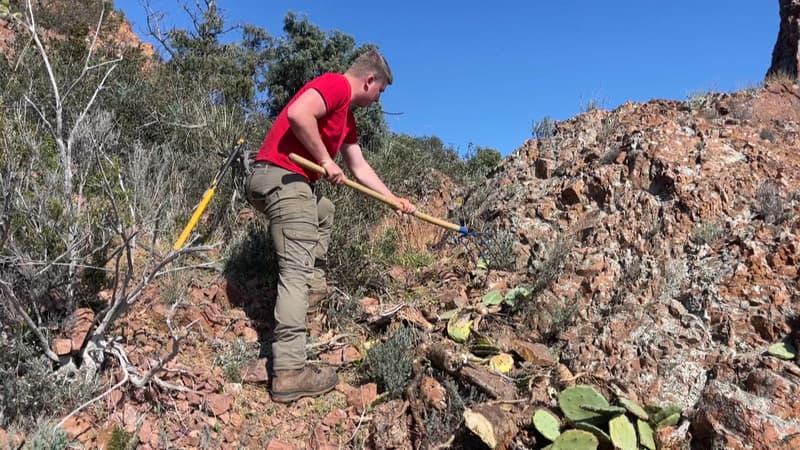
(446, 356)
(124, 380)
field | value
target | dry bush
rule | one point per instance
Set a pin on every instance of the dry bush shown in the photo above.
(770, 204)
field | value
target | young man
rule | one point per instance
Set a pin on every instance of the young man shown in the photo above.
(316, 124)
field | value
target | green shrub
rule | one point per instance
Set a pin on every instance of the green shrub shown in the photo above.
(120, 439)
(389, 363)
(29, 388)
(47, 437)
(231, 356)
(706, 233)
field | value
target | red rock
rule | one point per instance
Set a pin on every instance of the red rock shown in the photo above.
(256, 372)
(277, 444)
(62, 347)
(538, 354)
(76, 428)
(335, 417)
(219, 404)
(81, 326)
(433, 393)
(360, 398)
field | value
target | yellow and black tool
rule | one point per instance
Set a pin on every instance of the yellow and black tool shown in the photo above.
(201, 207)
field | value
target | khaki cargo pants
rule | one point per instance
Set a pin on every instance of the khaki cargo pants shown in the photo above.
(300, 224)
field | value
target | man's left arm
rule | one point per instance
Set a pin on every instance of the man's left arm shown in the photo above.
(354, 158)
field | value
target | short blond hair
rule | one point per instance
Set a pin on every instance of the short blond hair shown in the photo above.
(372, 63)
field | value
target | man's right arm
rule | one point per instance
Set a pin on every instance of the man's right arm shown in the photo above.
(303, 115)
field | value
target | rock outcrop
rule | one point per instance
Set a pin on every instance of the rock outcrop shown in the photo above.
(786, 55)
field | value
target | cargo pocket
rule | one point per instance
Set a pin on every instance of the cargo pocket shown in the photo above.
(299, 247)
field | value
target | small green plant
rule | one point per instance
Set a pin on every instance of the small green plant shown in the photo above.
(547, 424)
(498, 250)
(706, 233)
(48, 437)
(415, 259)
(120, 439)
(389, 363)
(232, 356)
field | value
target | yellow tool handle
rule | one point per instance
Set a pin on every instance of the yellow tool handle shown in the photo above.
(187, 230)
(377, 195)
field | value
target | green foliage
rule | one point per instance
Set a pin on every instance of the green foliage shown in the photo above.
(48, 437)
(646, 437)
(28, 387)
(623, 434)
(575, 440)
(481, 161)
(574, 400)
(706, 233)
(228, 71)
(120, 439)
(231, 356)
(609, 425)
(782, 350)
(389, 363)
(547, 424)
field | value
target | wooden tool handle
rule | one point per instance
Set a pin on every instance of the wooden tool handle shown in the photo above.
(377, 195)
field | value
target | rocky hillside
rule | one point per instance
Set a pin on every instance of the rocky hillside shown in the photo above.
(681, 224)
(658, 246)
(651, 253)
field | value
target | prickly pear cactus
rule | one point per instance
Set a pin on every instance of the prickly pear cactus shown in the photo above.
(623, 435)
(666, 416)
(602, 437)
(575, 440)
(646, 438)
(634, 408)
(610, 410)
(547, 424)
(783, 351)
(573, 399)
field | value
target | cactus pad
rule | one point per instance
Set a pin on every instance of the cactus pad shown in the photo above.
(609, 410)
(669, 421)
(634, 408)
(602, 436)
(622, 432)
(783, 351)
(575, 440)
(547, 424)
(646, 438)
(662, 413)
(572, 400)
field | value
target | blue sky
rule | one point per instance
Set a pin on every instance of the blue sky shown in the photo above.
(482, 72)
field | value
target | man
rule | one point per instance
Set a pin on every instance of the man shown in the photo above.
(316, 124)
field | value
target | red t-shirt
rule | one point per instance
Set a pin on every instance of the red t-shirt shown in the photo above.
(336, 128)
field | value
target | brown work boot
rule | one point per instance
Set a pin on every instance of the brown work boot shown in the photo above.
(310, 381)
